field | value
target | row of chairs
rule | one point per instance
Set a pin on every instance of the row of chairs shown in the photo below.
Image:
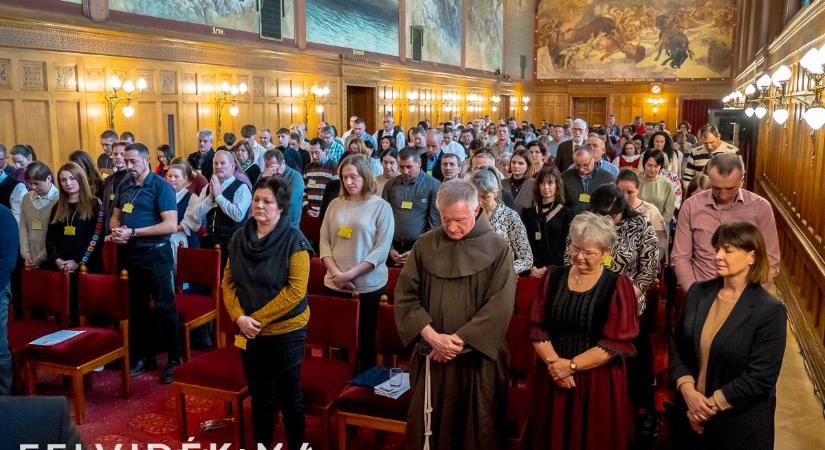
(333, 327)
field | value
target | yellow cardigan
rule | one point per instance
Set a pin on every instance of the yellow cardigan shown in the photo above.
(290, 295)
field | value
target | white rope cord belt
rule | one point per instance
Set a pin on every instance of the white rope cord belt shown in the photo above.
(428, 405)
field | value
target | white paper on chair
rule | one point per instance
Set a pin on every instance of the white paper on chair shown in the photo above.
(386, 389)
(56, 337)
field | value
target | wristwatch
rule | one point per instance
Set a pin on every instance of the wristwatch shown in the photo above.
(573, 365)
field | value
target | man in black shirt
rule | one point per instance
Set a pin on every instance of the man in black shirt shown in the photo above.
(144, 218)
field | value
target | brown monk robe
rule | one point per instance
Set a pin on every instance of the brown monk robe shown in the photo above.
(465, 288)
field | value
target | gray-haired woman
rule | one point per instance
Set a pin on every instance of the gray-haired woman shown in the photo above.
(505, 222)
(582, 325)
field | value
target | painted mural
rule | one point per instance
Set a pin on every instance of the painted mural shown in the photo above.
(230, 14)
(370, 25)
(485, 35)
(441, 20)
(634, 39)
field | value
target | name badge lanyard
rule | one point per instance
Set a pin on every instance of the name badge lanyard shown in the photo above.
(129, 206)
(70, 229)
(408, 203)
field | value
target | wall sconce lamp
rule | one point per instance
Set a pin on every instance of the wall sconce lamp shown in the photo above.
(123, 91)
(411, 96)
(774, 89)
(319, 94)
(228, 95)
(655, 102)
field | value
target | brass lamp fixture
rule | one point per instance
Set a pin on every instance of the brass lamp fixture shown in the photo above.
(229, 95)
(123, 91)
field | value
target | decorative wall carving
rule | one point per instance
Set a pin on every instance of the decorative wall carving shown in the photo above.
(65, 77)
(149, 76)
(189, 83)
(258, 86)
(168, 82)
(206, 83)
(5, 74)
(94, 81)
(33, 75)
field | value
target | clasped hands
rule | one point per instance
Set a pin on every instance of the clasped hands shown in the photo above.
(559, 369)
(249, 326)
(343, 280)
(445, 346)
(700, 408)
(399, 258)
(120, 235)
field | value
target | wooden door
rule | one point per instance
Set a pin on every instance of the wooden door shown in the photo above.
(591, 109)
(361, 103)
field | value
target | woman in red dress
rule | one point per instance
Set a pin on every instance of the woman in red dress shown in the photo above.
(582, 327)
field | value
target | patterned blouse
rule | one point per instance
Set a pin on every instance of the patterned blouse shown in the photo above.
(507, 224)
(636, 254)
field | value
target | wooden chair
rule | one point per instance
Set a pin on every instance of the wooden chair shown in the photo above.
(110, 258)
(311, 227)
(317, 271)
(202, 267)
(333, 324)
(100, 296)
(527, 290)
(522, 364)
(216, 375)
(358, 406)
(392, 280)
(44, 292)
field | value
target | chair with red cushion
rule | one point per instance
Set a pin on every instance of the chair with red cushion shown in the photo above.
(317, 272)
(202, 267)
(110, 258)
(102, 297)
(522, 364)
(311, 227)
(44, 292)
(358, 406)
(527, 289)
(333, 324)
(216, 375)
(392, 280)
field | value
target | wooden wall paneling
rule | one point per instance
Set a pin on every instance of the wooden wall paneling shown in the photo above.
(258, 115)
(8, 135)
(189, 127)
(68, 130)
(35, 130)
(272, 120)
(168, 108)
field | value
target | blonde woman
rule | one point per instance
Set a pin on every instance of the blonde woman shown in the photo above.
(356, 236)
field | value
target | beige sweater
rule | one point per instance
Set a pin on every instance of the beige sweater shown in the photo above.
(34, 223)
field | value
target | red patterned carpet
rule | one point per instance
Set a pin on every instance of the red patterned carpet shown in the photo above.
(150, 416)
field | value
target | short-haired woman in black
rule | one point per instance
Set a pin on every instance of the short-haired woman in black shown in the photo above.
(727, 350)
(264, 290)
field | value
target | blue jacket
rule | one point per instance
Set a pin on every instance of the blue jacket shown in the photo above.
(296, 181)
(9, 245)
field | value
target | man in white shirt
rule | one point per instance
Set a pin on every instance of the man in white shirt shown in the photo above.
(388, 130)
(448, 145)
(352, 128)
(11, 190)
(223, 203)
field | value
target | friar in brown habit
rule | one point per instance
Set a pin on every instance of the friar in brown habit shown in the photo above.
(454, 299)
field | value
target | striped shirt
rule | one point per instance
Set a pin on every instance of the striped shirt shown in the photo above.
(699, 157)
(316, 177)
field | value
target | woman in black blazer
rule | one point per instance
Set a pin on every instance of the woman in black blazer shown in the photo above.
(727, 351)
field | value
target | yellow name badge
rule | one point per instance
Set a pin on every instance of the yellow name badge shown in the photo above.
(69, 230)
(538, 235)
(607, 261)
(240, 342)
(406, 205)
(311, 182)
(345, 232)
(430, 172)
(128, 208)
(111, 197)
(584, 198)
(37, 225)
